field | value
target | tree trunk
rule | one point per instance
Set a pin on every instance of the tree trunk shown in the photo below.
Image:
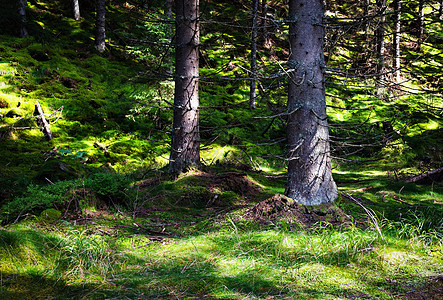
(264, 22)
(252, 89)
(76, 8)
(22, 12)
(185, 148)
(310, 179)
(421, 20)
(380, 42)
(440, 10)
(396, 38)
(100, 26)
(366, 7)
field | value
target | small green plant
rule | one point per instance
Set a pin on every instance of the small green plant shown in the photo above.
(110, 186)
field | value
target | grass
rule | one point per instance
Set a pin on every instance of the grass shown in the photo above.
(202, 252)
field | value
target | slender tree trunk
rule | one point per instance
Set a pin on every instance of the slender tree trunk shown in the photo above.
(310, 179)
(100, 26)
(264, 22)
(440, 10)
(22, 12)
(396, 38)
(253, 86)
(185, 148)
(366, 8)
(421, 19)
(380, 42)
(76, 8)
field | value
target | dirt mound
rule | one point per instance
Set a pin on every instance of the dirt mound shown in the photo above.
(282, 208)
(206, 189)
(238, 183)
(432, 290)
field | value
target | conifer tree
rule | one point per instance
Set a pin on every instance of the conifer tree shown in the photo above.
(185, 146)
(310, 179)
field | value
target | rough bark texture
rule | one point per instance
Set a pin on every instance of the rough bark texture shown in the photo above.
(76, 8)
(310, 179)
(396, 38)
(252, 89)
(100, 26)
(22, 12)
(185, 148)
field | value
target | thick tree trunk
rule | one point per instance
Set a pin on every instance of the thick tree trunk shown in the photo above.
(253, 85)
(185, 148)
(22, 12)
(76, 8)
(310, 179)
(396, 38)
(100, 26)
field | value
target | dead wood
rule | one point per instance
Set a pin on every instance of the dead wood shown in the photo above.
(435, 175)
(41, 121)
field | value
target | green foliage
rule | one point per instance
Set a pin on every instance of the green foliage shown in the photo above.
(39, 197)
(111, 186)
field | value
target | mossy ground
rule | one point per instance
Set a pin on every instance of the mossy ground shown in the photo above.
(170, 245)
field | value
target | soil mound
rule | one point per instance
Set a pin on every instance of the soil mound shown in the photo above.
(282, 208)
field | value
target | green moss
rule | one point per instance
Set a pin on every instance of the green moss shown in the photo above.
(50, 215)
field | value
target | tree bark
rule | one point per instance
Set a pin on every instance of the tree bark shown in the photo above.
(440, 10)
(100, 26)
(380, 42)
(310, 179)
(22, 12)
(366, 7)
(76, 8)
(396, 39)
(253, 85)
(185, 148)
(264, 22)
(421, 20)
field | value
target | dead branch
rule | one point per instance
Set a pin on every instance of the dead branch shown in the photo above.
(424, 175)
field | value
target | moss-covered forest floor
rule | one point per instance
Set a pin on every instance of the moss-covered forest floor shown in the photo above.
(94, 214)
(223, 234)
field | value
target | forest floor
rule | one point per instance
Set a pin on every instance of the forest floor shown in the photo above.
(226, 233)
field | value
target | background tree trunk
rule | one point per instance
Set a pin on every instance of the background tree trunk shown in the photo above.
(367, 22)
(440, 10)
(310, 179)
(253, 85)
(100, 26)
(396, 38)
(421, 20)
(264, 22)
(22, 12)
(380, 44)
(76, 8)
(185, 148)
